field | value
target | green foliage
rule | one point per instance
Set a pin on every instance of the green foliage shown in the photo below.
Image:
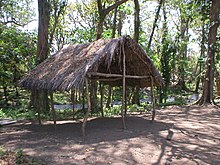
(16, 55)
(17, 113)
(116, 110)
(83, 16)
(15, 12)
(58, 33)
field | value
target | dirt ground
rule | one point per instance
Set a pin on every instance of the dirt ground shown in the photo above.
(194, 133)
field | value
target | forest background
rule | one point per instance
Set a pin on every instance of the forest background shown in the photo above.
(180, 36)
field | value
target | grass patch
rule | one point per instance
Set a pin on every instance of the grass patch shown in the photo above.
(17, 113)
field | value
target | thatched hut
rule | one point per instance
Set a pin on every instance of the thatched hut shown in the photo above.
(119, 61)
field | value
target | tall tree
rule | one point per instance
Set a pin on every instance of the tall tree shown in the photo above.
(136, 99)
(185, 19)
(43, 26)
(40, 97)
(136, 20)
(166, 52)
(207, 93)
(203, 12)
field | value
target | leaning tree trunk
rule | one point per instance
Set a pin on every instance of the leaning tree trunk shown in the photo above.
(207, 94)
(154, 24)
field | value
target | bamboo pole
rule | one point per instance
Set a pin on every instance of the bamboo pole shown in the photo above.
(88, 108)
(153, 99)
(124, 88)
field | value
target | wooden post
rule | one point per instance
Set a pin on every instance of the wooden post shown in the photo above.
(83, 99)
(53, 110)
(153, 98)
(88, 109)
(101, 99)
(37, 106)
(124, 88)
(125, 111)
(73, 101)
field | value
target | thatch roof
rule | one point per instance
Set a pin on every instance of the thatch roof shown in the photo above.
(69, 67)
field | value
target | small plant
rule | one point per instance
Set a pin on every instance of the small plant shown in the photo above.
(20, 156)
(2, 152)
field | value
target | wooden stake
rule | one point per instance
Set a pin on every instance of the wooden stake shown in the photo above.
(124, 94)
(53, 110)
(153, 99)
(88, 109)
(101, 99)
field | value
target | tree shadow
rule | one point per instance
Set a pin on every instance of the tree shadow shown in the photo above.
(195, 140)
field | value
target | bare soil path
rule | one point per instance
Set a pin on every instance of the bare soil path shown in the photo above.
(194, 134)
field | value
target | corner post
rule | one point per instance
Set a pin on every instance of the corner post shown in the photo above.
(124, 87)
(88, 109)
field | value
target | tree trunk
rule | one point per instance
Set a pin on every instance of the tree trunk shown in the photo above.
(100, 28)
(93, 96)
(202, 55)
(101, 89)
(183, 50)
(154, 24)
(120, 24)
(207, 94)
(109, 99)
(136, 20)
(43, 25)
(42, 53)
(165, 59)
(136, 98)
(114, 22)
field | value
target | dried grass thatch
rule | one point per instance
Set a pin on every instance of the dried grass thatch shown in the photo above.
(69, 67)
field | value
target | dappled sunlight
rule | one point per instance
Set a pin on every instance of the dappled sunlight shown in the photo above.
(195, 139)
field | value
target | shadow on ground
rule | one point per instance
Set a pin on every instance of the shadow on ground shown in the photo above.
(195, 139)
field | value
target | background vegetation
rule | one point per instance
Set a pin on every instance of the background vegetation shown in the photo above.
(175, 34)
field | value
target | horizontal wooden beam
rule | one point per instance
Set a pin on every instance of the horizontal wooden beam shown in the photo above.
(90, 74)
(108, 79)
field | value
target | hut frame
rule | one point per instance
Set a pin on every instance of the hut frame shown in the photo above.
(90, 57)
